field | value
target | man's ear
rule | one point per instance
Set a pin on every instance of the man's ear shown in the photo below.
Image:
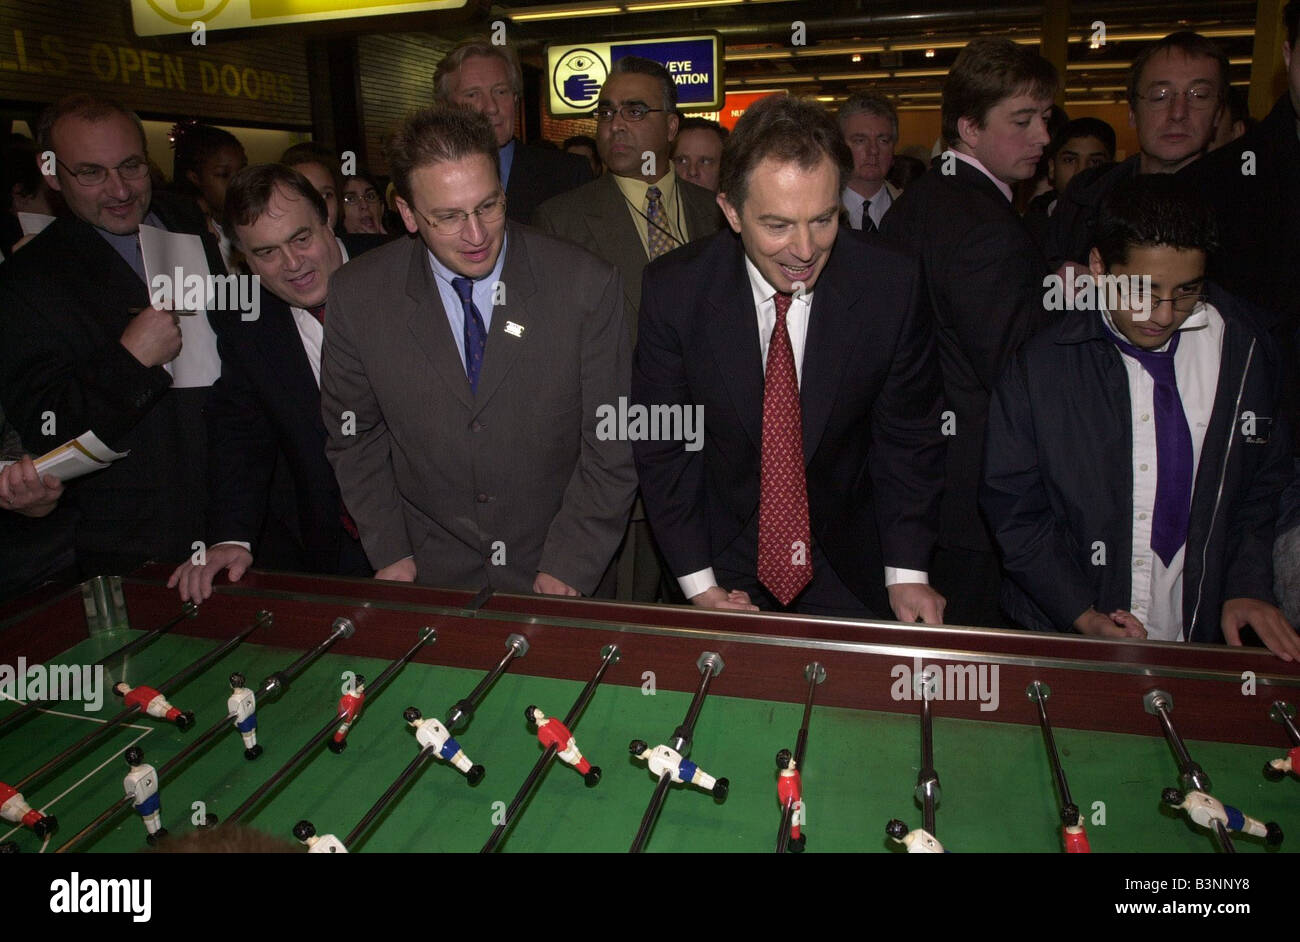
(731, 212)
(408, 215)
(1095, 264)
(193, 177)
(674, 125)
(969, 131)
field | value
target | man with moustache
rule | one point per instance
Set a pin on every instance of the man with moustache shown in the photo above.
(461, 380)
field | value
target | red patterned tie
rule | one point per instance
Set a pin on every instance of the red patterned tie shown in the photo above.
(784, 534)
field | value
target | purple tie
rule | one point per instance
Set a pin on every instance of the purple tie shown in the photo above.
(1173, 451)
(475, 331)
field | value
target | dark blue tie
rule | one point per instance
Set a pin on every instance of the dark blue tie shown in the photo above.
(475, 332)
(1173, 452)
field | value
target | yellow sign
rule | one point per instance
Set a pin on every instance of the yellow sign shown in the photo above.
(155, 17)
(577, 72)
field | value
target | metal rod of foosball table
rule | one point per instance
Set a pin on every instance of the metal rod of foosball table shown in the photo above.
(200, 665)
(681, 742)
(927, 779)
(1037, 693)
(1281, 711)
(462, 710)
(610, 656)
(1191, 776)
(815, 674)
(373, 689)
(188, 610)
(389, 794)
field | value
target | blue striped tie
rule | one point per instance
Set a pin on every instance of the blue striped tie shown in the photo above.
(475, 331)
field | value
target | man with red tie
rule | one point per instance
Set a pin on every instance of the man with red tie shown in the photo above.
(816, 486)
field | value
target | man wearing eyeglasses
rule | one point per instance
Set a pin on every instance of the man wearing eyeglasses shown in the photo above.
(81, 349)
(460, 382)
(479, 74)
(1135, 455)
(1177, 94)
(637, 211)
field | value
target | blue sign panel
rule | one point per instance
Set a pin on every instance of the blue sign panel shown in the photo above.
(691, 63)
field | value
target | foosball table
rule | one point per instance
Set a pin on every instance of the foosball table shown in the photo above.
(362, 716)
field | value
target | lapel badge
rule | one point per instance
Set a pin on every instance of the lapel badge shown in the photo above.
(514, 330)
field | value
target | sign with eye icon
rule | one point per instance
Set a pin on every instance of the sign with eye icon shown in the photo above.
(577, 72)
(577, 78)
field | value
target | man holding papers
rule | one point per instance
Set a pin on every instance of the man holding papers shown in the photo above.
(81, 350)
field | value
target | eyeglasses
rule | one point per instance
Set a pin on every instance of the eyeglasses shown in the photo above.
(453, 221)
(629, 113)
(370, 196)
(1199, 98)
(133, 168)
(1183, 303)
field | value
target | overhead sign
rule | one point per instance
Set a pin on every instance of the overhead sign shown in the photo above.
(155, 17)
(578, 71)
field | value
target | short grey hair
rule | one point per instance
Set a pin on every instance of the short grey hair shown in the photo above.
(869, 103)
(475, 46)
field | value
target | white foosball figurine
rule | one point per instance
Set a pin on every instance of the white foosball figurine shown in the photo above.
(1204, 810)
(663, 759)
(243, 706)
(431, 734)
(141, 785)
(15, 809)
(919, 841)
(305, 832)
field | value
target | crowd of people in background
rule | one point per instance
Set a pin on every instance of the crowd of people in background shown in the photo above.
(907, 405)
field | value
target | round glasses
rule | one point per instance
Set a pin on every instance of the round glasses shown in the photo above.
(133, 168)
(453, 221)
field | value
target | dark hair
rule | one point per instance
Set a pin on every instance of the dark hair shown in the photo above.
(1153, 209)
(1291, 18)
(987, 71)
(19, 167)
(1238, 106)
(639, 65)
(314, 152)
(90, 108)
(195, 144)
(475, 46)
(784, 128)
(579, 140)
(905, 169)
(251, 189)
(435, 134)
(696, 123)
(869, 103)
(1193, 45)
(1085, 127)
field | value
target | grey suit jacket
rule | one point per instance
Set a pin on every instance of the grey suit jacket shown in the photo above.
(483, 489)
(596, 217)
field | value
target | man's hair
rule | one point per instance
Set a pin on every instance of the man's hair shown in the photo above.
(435, 134)
(987, 71)
(1084, 127)
(869, 103)
(1291, 19)
(1153, 209)
(19, 167)
(579, 140)
(639, 65)
(787, 129)
(314, 152)
(92, 108)
(475, 46)
(1239, 107)
(696, 123)
(250, 192)
(194, 145)
(1190, 44)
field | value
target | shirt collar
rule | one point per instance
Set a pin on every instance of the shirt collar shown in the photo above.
(634, 188)
(968, 159)
(445, 274)
(1198, 320)
(762, 289)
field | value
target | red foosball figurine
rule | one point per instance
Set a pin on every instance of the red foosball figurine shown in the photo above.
(551, 732)
(1076, 838)
(350, 705)
(152, 702)
(1276, 769)
(789, 791)
(15, 809)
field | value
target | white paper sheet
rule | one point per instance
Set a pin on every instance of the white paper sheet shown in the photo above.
(178, 257)
(74, 459)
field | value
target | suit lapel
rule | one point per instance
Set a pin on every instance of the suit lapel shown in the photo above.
(834, 321)
(503, 347)
(426, 319)
(107, 280)
(611, 227)
(733, 335)
(701, 211)
(285, 355)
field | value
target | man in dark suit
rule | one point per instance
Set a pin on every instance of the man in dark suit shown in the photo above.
(462, 379)
(266, 406)
(806, 347)
(81, 349)
(984, 278)
(638, 210)
(477, 74)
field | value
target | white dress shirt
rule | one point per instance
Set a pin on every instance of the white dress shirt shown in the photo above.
(854, 203)
(1157, 590)
(796, 322)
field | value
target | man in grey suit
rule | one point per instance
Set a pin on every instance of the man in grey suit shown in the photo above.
(461, 380)
(638, 210)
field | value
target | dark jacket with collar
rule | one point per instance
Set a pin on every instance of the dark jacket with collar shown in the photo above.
(65, 300)
(537, 174)
(1069, 231)
(1058, 486)
(983, 277)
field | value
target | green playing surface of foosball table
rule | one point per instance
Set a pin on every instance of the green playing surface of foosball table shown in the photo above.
(859, 771)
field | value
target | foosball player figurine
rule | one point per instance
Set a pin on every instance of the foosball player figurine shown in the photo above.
(305, 831)
(430, 733)
(154, 703)
(551, 732)
(663, 759)
(1205, 809)
(243, 705)
(9, 847)
(141, 785)
(919, 841)
(1276, 769)
(350, 705)
(1076, 838)
(789, 791)
(15, 809)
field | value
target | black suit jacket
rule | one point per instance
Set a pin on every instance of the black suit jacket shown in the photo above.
(64, 301)
(870, 399)
(537, 174)
(984, 280)
(1069, 231)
